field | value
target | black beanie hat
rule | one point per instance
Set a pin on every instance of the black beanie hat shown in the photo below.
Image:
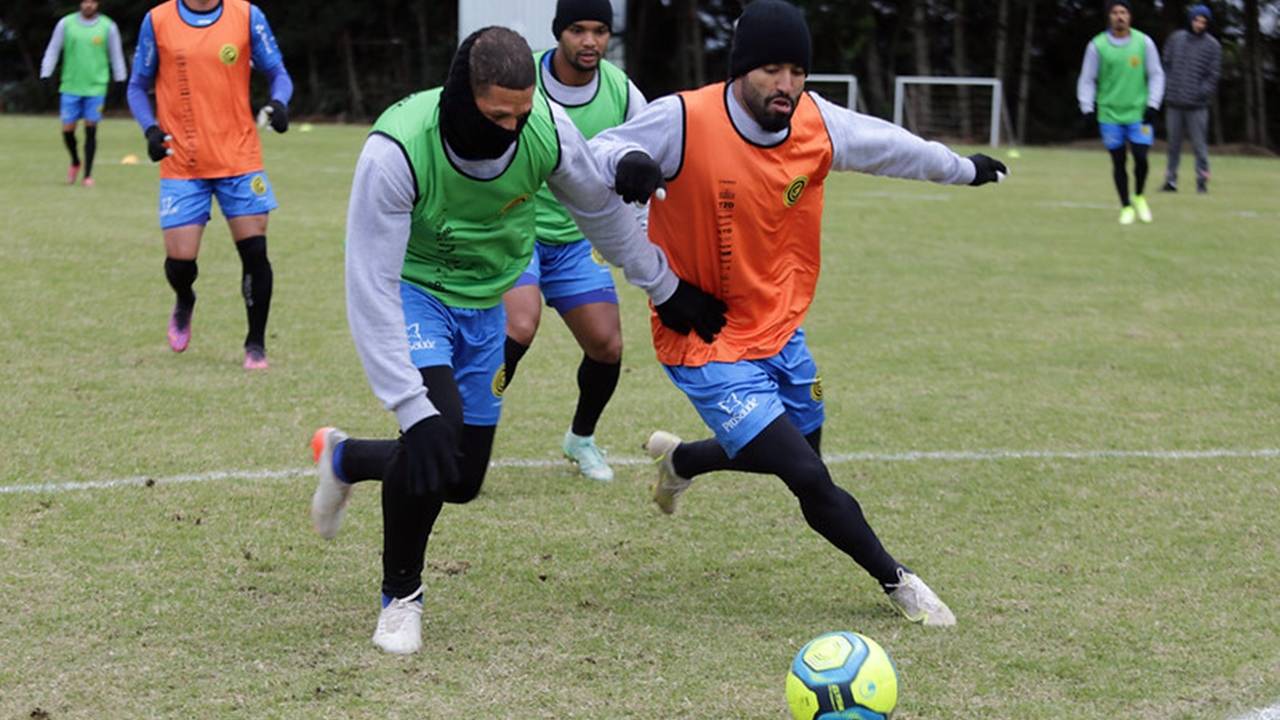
(770, 31)
(569, 12)
(1113, 3)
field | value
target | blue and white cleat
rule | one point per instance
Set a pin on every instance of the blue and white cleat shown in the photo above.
(329, 502)
(399, 628)
(583, 452)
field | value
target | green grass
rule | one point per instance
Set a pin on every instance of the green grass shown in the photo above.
(1010, 318)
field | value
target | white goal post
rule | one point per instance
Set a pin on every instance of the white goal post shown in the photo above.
(997, 96)
(849, 81)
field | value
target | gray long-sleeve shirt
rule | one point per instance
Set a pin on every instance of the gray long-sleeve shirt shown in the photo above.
(859, 142)
(1087, 85)
(1193, 63)
(53, 51)
(378, 219)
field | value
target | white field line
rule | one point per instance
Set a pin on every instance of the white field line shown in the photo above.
(1267, 713)
(833, 459)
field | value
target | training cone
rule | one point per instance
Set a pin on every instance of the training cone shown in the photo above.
(129, 159)
(306, 127)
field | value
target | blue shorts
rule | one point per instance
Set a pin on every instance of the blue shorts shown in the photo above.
(82, 107)
(738, 400)
(466, 339)
(1114, 135)
(187, 202)
(569, 275)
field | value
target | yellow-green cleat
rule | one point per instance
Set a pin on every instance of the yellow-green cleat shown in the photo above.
(1127, 215)
(1144, 210)
(661, 446)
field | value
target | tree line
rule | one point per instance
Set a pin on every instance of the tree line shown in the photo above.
(350, 60)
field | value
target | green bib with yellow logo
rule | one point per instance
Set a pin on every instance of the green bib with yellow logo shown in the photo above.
(469, 239)
(1122, 79)
(85, 59)
(607, 109)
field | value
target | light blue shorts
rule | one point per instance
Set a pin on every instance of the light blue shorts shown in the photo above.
(569, 275)
(187, 202)
(82, 107)
(468, 340)
(738, 400)
(1115, 135)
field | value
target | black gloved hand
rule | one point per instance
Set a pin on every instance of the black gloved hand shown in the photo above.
(429, 451)
(277, 114)
(156, 148)
(637, 177)
(1089, 123)
(1150, 115)
(986, 169)
(692, 308)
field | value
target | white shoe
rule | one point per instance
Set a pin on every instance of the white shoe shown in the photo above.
(400, 625)
(918, 603)
(583, 452)
(661, 446)
(329, 502)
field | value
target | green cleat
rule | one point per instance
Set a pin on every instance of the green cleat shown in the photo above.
(1144, 210)
(1127, 215)
(583, 452)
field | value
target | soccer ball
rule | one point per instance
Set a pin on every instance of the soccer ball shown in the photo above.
(842, 676)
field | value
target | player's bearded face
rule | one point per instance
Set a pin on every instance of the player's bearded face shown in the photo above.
(1119, 18)
(89, 8)
(771, 93)
(583, 44)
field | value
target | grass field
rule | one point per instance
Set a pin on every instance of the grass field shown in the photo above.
(1101, 511)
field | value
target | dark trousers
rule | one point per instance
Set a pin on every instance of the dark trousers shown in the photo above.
(1192, 123)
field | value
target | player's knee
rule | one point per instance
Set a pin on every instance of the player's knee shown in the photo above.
(808, 478)
(606, 350)
(253, 254)
(522, 327)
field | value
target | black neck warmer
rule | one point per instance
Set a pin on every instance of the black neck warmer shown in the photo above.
(469, 133)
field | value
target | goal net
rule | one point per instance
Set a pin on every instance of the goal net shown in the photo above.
(949, 109)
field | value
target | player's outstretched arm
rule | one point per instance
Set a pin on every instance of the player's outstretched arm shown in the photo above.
(987, 169)
(267, 59)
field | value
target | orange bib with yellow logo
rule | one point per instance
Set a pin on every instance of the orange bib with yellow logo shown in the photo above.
(202, 93)
(743, 222)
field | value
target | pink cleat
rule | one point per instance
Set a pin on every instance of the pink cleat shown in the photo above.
(72, 172)
(255, 358)
(88, 182)
(179, 329)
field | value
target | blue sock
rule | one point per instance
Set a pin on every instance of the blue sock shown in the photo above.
(337, 466)
(386, 600)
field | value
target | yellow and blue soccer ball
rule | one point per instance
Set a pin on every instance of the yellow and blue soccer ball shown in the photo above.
(842, 676)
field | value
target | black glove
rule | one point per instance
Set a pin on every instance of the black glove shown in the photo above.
(692, 308)
(985, 169)
(277, 114)
(637, 177)
(1089, 123)
(156, 148)
(428, 457)
(1150, 115)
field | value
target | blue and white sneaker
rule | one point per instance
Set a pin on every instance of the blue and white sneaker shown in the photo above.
(399, 628)
(329, 502)
(583, 452)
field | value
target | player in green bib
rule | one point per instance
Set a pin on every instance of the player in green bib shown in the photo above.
(596, 95)
(441, 222)
(1120, 88)
(88, 44)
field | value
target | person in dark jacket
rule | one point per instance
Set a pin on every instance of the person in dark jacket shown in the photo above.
(1192, 64)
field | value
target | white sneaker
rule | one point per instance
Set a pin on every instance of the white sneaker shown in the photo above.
(918, 603)
(400, 625)
(583, 452)
(661, 446)
(329, 502)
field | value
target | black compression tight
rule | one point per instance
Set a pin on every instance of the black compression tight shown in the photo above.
(832, 512)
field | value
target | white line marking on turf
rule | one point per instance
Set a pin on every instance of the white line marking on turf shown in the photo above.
(833, 459)
(1074, 205)
(1267, 713)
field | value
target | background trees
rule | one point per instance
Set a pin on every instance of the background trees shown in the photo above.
(349, 60)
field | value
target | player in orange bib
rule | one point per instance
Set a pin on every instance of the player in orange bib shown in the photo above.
(198, 54)
(744, 164)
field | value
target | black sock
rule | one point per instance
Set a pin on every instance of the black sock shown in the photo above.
(1120, 175)
(512, 351)
(182, 275)
(255, 286)
(832, 512)
(596, 383)
(69, 139)
(363, 460)
(1140, 167)
(90, 147)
